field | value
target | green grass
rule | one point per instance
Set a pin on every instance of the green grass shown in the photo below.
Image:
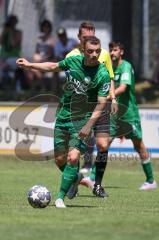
(127, 213)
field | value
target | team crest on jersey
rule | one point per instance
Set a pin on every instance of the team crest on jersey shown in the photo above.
(87, 80)
(116, 78)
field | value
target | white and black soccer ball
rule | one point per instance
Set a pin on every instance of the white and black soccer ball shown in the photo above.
(39, 196)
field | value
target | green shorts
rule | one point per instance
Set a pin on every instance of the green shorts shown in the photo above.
(66, 136)
(129, 130)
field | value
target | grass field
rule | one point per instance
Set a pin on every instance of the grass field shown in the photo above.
(127, 213)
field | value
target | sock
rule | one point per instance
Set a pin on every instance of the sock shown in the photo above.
(147, 167)
(101, 162)
(68, 177)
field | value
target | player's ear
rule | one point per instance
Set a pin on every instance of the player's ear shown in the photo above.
(122, 52)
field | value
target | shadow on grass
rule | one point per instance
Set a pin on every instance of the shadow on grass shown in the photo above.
(115, 187)
(86, 196)
(77, 206)
(81, 206)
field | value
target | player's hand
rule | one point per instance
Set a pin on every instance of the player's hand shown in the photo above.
(85, 131)
(114, 106)
(22, 62)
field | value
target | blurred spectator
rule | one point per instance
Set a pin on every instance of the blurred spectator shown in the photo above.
(10, 41)
(45, 43)
(64, 44)
(44, 52)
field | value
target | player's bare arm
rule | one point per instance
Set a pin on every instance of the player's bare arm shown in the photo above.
(85, 131)
(114, 105)
(121, 89)
(44, 67)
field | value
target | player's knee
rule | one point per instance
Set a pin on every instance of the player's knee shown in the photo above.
(102, 146)
(73, 157)
(73, 161)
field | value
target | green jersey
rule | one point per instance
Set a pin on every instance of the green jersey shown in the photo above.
(81, 81)
(124, 74)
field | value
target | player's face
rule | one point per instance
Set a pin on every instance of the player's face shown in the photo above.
(115, 53)
(85, 33)
(91, 53)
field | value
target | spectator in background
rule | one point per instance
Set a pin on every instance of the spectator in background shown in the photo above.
(63, 46)
(10, 41)
(45, 43)
(44, 52)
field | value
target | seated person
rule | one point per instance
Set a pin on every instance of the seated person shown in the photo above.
(64, 44)
(10, 41)
(44, 52)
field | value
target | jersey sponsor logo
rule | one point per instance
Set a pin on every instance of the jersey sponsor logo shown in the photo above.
(79, 87)
(125, 76)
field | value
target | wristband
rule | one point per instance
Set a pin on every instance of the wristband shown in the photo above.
(114, 99)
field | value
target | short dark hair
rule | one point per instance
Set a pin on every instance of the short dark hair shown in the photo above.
(86, 25)
(116, 44)
(91, 39)
(11, 19)
(44, 23)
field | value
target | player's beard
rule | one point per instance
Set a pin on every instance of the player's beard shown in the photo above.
(114, 60)
(93, 61)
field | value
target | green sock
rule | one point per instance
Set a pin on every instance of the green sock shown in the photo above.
(68, 177)
(147, 167)
(93, 173)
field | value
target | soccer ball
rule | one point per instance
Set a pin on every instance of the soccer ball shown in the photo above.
(39, 196)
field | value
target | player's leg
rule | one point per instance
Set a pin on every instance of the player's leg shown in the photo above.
(88, 156)
(61, 144)
(139, 146)
(69, 174)
(103, 142)
(62, 155)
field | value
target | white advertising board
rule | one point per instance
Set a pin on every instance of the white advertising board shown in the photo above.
(39, 131)
(23, 126)
(150, 130)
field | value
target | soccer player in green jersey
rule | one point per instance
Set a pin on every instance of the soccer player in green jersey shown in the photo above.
(86, 78)
(87, 29)
(127, 122)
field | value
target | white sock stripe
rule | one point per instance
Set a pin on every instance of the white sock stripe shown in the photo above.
(146, 161)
